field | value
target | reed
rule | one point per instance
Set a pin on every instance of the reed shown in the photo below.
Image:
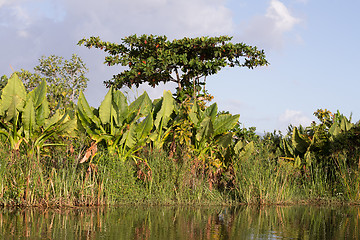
(58, 178)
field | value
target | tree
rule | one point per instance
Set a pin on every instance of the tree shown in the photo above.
(65, 79)
(3, 81)
(154, 59)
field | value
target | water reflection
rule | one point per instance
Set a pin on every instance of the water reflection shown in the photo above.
(129, 222)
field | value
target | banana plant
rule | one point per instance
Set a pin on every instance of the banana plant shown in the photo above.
(163, 110)
(340, 125)
(244, 149)
(212, 133)
(11, 105)
(298, 148)
(25, 118)
(115, 123)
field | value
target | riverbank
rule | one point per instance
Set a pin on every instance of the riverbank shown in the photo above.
(62, 178)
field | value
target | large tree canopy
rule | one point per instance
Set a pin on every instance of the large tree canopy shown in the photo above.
(154, 59)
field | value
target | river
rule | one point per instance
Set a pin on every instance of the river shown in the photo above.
(182, 222)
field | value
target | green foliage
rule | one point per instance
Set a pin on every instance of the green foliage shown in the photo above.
(3, 82)
(320, 145)
(166, 106)
(154, 59)
(25, 118)
(212, 139)
(65, 79)
(181, 150)
(115, 123)
(11, 105)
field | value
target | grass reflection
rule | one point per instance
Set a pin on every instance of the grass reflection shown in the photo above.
(145, 223)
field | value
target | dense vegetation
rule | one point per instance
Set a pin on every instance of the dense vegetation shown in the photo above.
(165, 151)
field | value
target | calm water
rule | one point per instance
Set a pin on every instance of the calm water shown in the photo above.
(129, 222)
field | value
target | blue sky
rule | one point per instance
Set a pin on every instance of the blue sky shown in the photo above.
(312, 47)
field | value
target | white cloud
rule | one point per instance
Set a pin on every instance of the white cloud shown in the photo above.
(32, 28)
(268, 31)
(280, 15)
(293, 117)
(302, 1)
(2, 3)
(114, 19)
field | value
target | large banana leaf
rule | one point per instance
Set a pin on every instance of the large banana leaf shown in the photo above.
(129, 137)
(141, 107)
(193, 114)
(205, 130)
(13, 98)
(247, 151)
(42, 113)
(106, 109)
(285, 146)
(121, 106)
(58, 125)
(299, 142)
(38, 95)
(28, 118)
(211, 111)
(225, 122)
(167, 108)
(225, 140)
(143, 129)
(86, 111)
(40, 107)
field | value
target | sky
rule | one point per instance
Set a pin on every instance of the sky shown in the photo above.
(312, 47)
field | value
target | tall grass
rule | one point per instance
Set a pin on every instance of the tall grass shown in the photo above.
(349, 178)
(51, 180)
(157, 179)
(263, 177)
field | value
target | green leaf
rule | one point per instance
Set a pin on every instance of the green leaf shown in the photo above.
(39, 94)
(193, 114)
(41, 104)
(334, 129)
(13, 97)
(225, 122)
(67, 127)
(143, 129)
(299, 142)
(140, 107)
(211, 111)
(225, 140)
(205, 130)
(247, 151)
(106, 109)
(129, 137)
(167, 107)
(288, 150)
(42, 113)
(239, 146)
(345, 124)
(28, 118)
(121, 107)
(56, 117)
(87, 112)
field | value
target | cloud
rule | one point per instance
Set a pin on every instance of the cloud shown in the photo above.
(32, 28)
(173, 18)
(293, 117)
(281, 17)
(268, 31)
(303, 1)
(5, 2)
